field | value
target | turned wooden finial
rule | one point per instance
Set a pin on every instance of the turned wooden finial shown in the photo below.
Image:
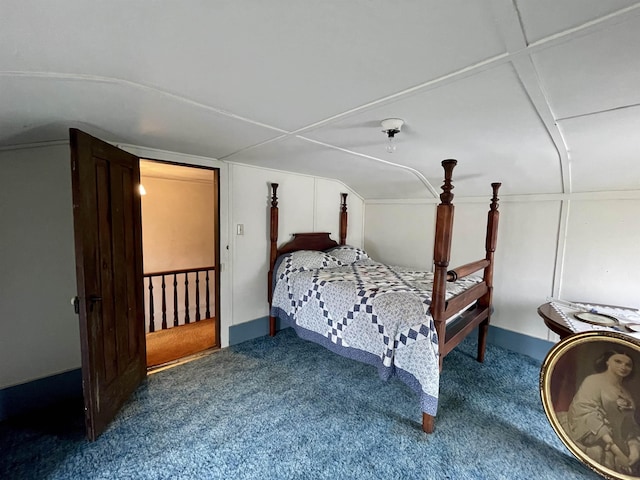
(494, 200)
(446, 197)
(343, 205)
(274, 196)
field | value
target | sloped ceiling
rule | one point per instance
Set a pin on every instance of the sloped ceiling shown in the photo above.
(542, 95)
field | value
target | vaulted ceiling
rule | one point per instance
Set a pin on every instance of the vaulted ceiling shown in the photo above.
(543, 95)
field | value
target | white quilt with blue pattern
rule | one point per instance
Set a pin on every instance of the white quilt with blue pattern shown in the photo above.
(365, 310)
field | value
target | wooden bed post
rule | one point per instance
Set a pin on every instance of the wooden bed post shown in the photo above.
(428, 423)
(441, 256)
(273, 252)
(486, 301)
(343, 219)
(442, 253)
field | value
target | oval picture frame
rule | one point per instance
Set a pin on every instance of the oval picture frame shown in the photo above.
(572, 377)
(596, 318)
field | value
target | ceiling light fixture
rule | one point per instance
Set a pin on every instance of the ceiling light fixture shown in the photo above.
(391, 126)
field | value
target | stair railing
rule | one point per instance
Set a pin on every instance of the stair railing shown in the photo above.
(177, 278)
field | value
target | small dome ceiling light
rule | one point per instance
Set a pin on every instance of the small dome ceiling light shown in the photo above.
(391, 126)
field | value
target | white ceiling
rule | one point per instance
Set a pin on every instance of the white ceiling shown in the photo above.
(542, 95)
(169, 171)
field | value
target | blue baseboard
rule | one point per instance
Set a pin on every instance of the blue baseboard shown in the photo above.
(40, 394)
(516, 342)
(250, 330)
(519, 343)
(67, 387)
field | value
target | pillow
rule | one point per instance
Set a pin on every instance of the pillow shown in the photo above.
(310, 259)
(347, 254)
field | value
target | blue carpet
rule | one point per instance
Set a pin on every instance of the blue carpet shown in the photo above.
(285, 408)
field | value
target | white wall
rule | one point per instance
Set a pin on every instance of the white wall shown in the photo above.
(400, 233)
(602, 257)
(327, 211)
(178, 224)
(525, 264)
(305, 204)
(595, 262)
(39, 334)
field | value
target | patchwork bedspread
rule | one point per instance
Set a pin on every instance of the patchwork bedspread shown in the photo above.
(365, 310)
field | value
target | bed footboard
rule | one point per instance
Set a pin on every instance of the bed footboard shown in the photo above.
(441, 309)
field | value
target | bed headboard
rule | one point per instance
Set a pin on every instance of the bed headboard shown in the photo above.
(308, 241)
(301, 241)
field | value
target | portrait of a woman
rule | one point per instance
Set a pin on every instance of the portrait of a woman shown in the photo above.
(601, 418)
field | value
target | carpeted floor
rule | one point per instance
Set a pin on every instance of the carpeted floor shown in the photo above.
(174, 343)
(284, 408)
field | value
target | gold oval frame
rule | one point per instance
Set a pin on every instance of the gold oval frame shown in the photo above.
(575, 351)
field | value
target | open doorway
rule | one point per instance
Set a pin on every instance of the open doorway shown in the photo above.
(180, 237)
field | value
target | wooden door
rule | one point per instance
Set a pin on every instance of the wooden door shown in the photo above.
(108, 239)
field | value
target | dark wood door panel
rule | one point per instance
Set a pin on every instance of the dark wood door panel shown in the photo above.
(108, 234)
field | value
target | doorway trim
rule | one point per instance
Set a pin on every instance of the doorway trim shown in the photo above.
(196, 313)
(225, 280)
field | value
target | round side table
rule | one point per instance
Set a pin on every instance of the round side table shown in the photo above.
(553, 320)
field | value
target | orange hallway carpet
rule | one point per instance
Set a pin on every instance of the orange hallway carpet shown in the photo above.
(177, 342)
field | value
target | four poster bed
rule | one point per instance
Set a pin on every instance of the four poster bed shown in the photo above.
(401, 320)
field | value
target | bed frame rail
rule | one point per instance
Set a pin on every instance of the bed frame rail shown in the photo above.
(467, 269)
(466, 298)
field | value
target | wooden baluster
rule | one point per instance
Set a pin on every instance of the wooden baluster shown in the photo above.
(188, 317)
(186, 298)
(152, 327)
(208, 312)
(164, 304)
(175, 301)
(197, 297)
